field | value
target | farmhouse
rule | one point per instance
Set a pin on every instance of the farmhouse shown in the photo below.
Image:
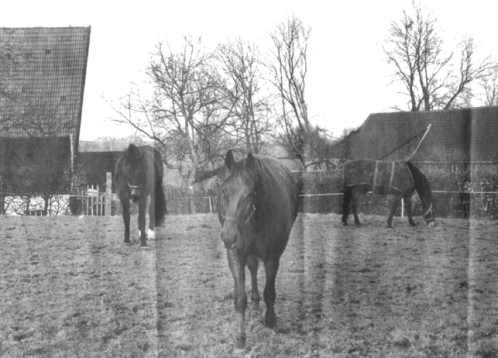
(42, 78)
(456, 135)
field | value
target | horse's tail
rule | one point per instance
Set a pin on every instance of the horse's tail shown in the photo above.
(423, 188)
(160, 203)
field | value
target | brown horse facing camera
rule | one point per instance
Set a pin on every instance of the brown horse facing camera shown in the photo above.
(257, 206)
(139, 179)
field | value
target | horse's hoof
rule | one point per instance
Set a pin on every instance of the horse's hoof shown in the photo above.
(151, 234)
(344, 223)
(357, 224)
(389, 226)
(127, 242)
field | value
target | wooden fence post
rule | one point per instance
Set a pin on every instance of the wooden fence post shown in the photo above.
(191, 201)
(108, 193)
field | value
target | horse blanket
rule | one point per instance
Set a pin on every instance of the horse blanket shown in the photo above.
(380, 176)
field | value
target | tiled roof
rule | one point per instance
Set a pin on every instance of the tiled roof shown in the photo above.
(42, 77)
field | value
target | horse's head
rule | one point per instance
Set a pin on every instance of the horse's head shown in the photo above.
(237, 202)
(134, 171)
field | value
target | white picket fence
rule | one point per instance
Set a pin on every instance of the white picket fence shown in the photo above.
(86, 200)
(95, 202)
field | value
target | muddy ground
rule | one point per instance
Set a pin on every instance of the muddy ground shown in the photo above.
(69, 287)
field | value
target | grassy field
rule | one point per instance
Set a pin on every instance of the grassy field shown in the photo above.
(70, 288)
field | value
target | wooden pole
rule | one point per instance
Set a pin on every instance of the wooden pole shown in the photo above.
(191, 201)
(108, 193)
(71, 161)
(98, 202)
(87, 199)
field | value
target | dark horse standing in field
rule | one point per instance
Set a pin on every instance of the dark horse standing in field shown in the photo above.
(257, 206)
(399, 178)
(139, 177)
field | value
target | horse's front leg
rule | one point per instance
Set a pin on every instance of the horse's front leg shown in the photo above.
(269, 294)
(252, 264)
(151, 234)
(141, 221)
(408, 208)
(237, 267)
(394, 206)
(355, 204)
(125, 204)
(346, 201)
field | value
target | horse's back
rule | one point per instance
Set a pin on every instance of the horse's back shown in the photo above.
(279, 199)
(359, 172)
(380, 175)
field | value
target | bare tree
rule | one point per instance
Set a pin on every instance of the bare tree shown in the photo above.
(489, 87)
(289, 71)
(431, 77)
(188, 108)
(240, 64)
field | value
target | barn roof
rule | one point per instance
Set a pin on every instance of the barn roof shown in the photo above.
(456, 135)
(42, 78)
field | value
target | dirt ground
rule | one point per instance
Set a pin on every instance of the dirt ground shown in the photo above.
(70, 288)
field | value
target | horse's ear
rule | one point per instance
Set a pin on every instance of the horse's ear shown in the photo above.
(250, 161)
(229, 160)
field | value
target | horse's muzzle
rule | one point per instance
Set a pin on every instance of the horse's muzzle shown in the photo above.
(229, 241)
(134, 197)
(229, 237)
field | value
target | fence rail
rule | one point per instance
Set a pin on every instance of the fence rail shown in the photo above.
(321, 193)
(84, 200)
(447, 204)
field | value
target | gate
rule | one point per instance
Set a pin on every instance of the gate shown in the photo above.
(90, 200)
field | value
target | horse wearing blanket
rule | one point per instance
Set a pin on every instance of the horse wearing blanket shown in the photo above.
(398, 178)
(139, 179)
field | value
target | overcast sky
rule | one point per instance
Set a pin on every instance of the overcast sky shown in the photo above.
(348, 75)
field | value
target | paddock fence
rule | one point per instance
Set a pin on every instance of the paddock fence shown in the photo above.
(460, 189)
(87, 200)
